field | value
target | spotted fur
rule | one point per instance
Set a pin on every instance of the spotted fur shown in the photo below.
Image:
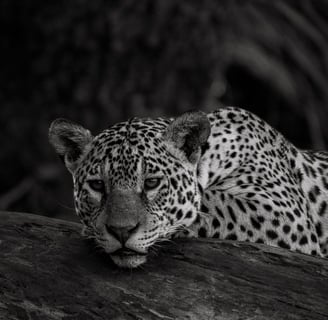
(227, 175)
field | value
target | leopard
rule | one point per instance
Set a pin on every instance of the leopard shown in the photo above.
(227, 174)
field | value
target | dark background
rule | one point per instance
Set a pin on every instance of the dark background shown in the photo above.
(98, 62)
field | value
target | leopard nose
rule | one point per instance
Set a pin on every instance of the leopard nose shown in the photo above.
(122, 234)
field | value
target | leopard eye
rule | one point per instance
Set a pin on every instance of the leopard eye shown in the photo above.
(97, 185)
(151, 183)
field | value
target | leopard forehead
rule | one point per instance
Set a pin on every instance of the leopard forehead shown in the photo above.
(127, 150)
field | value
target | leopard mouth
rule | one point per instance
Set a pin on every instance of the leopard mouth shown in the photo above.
(127, 258)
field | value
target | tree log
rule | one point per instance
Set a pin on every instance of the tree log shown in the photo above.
(48, 272)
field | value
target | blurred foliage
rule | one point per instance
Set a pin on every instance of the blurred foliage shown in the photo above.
(98, 62)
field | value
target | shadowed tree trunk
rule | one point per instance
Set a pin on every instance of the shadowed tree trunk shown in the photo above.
(48, 272)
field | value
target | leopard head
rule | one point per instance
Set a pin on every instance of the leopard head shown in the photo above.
(135, 183)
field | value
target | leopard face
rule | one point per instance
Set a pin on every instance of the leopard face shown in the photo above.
(135, 184)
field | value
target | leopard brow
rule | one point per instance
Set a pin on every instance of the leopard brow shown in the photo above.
(142, 171)
(103, 168)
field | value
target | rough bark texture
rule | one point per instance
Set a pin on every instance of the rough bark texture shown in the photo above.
(48, 272)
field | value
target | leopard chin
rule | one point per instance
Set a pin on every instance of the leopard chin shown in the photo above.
(128, 261)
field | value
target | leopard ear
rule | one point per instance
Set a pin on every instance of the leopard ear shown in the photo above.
(70, 141)
(188, 133)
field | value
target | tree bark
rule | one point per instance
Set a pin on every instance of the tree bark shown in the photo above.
(48, 272)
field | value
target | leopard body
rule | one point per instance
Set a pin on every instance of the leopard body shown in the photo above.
(226, 174)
